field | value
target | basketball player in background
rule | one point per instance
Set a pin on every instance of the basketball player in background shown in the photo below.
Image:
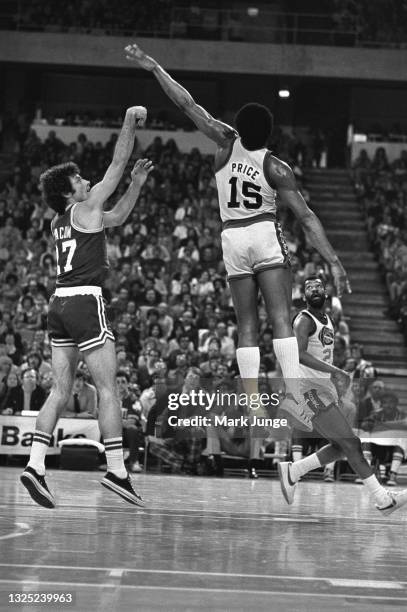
(76, 316)
(256, 256)
(315, 334)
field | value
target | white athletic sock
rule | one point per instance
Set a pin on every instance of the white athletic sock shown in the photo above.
(286, 350)
(379, 493)
(114, 456)
(396, 462)
(296, 451)
(41, 441)
(248, 360)
(303, 466)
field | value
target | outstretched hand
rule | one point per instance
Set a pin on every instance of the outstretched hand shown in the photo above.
(137, 55)
(141, 170)
(340, 278)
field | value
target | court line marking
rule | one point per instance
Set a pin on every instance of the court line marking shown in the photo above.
(203, 589)
(229, 514)
(22, 529)
(398, 584)
(369, 584)
(116, 573)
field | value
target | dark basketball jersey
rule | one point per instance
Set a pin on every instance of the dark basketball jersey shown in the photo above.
(81, 254)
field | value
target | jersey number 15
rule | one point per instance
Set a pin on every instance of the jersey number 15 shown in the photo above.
(69, 247)
(249, 190)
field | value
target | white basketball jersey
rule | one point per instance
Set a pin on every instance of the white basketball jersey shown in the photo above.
(243, 190)
(320, 346)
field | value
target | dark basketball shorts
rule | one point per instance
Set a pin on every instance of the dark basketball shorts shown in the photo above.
(76, 317)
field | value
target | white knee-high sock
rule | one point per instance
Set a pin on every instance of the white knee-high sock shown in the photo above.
(286, 350)
(114, 456)
(40, 444)
(248, 360)
(296, 451)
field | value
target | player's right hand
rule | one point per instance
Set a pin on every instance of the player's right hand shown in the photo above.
(139, 113)
(340, 278)
(135, 54)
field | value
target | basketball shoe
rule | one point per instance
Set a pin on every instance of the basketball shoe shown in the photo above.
(37, 488)
(122, 487)
(397, 500)
(287, 485)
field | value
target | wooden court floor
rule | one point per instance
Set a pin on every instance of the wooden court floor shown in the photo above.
(201, 544)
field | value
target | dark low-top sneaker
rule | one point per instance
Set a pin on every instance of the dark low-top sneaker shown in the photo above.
(37, 487)
(123, 487)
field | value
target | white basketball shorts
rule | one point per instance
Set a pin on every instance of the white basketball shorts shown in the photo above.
(252, 246)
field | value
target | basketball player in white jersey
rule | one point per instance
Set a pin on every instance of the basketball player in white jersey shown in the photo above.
(315, 334)
(254, 250)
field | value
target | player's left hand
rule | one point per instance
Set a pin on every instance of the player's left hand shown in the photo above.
(141, 170)
(137, 55)
(342, 376)
(340, 278)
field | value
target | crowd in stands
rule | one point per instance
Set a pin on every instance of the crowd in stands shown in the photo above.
(382, 22)
(106, 119)
(342, 22)
(381, 187)
(168, 300)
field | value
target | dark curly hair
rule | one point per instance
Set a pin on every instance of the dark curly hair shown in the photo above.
(54, 182)
(254, 122)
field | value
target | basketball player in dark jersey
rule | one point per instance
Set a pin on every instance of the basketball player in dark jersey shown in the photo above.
(76, 317)
(315, 334)
(256, 257)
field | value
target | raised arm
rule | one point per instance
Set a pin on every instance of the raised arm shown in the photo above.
(219, 132)
(125, 205)
(283, 178)
(135, 116)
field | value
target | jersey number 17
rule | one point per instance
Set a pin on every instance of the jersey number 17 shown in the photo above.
(68, 247)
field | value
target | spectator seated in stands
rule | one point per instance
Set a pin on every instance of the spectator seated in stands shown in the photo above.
(179, 447)
(11, 404)
(133, 437)
(239, 441)
(388, 417)
(25, 396)
(83, 401)
(372, 402)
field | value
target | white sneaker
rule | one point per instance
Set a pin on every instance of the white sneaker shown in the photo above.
(300, 413)
(396, 499)
(329, 475)
(287, 485)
